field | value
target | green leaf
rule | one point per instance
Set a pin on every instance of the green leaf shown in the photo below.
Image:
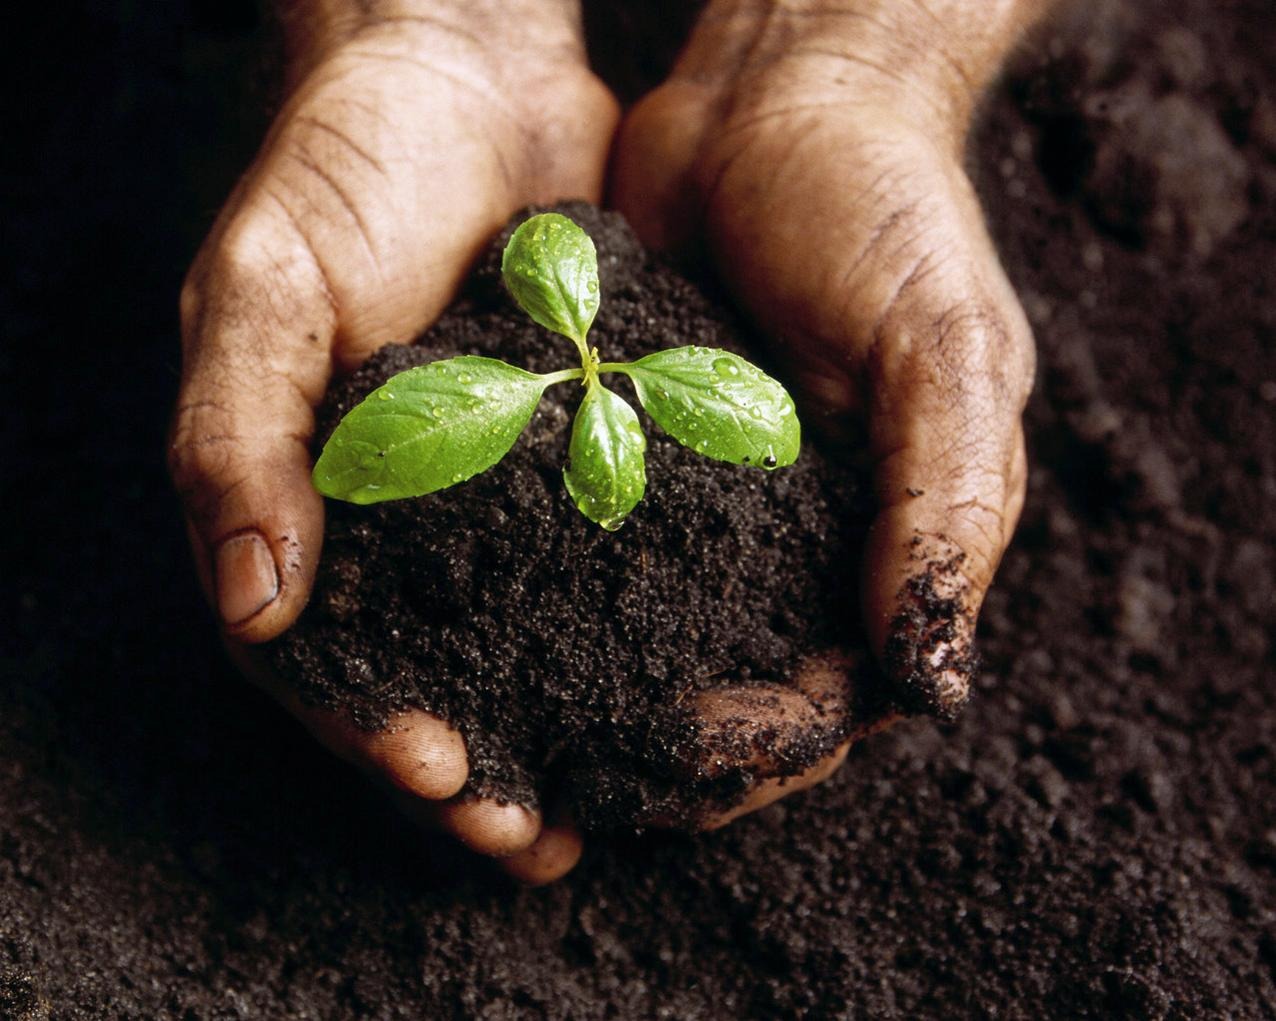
(606, 475)
(426, 429)
(719, 405)
(551, 268)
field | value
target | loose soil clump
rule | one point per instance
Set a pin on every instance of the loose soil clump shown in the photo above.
(570, 657)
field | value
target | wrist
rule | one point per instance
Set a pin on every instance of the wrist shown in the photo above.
(313, 29)
(927, 60)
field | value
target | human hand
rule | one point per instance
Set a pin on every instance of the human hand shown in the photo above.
(816, 150)
(410, 133)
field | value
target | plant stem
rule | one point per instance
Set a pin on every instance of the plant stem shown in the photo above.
(614, 367)
(562, 376)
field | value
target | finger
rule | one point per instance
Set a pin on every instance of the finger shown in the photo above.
(949, 376)
(483, 825)
(256, 331)
(771, 730)
(555, 852)
(416, 753)
(488, 827)
(780, 739)
(423, 761)
(769, 791)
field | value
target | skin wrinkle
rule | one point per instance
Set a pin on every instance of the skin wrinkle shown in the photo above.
(976, 521)
(314, 29)
(302, 156)
(967, 79)
(245, 285)
(493, 102)
(758, 119)
(345, 139)
(367, 109)
(190, 435)
(853, 58)
(921, 267)
(434, 21)
(325, 278)
(876, 237)
(840, 37)
(534, 162)
(776, 167)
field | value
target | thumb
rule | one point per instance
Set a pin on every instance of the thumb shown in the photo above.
(949, 375)
(257, 333)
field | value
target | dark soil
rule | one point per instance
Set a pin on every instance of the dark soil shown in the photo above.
(563, 653)
(1095, 838)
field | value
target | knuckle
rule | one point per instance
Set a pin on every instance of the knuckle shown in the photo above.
(255, 253)
(978, 361)
(202, 445)
(259, 271)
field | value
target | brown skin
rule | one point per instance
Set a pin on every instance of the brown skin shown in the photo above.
(817, 158)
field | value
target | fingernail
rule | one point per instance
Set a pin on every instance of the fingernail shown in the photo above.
(247, 580)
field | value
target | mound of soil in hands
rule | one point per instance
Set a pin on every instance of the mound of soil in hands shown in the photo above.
(563, 652)
(1094, 839)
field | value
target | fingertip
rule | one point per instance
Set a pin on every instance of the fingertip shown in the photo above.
(920, 607)
(771, 790)
(263, 575)
(487, 827)
(246, 582)
(553, 854)
(773, 729)
(421, 755)
(257, 567)
(417, 754)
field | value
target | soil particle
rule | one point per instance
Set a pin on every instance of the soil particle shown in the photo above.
(20, 998)
(930, 654)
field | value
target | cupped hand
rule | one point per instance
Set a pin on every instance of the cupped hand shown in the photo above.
(410, 134)
(814, 150)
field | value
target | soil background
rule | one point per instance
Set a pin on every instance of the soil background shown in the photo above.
(1095, 837)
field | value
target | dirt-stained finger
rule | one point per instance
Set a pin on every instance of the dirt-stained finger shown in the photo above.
(417, 754)
(488, 827)
(555, 852)
(770, 790)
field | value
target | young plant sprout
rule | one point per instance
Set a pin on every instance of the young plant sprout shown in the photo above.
(439, 424)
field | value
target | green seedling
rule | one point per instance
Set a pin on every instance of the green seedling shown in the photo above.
(439, 424)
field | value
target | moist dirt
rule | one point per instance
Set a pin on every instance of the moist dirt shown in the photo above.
(570, 658)
(1093, 838)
